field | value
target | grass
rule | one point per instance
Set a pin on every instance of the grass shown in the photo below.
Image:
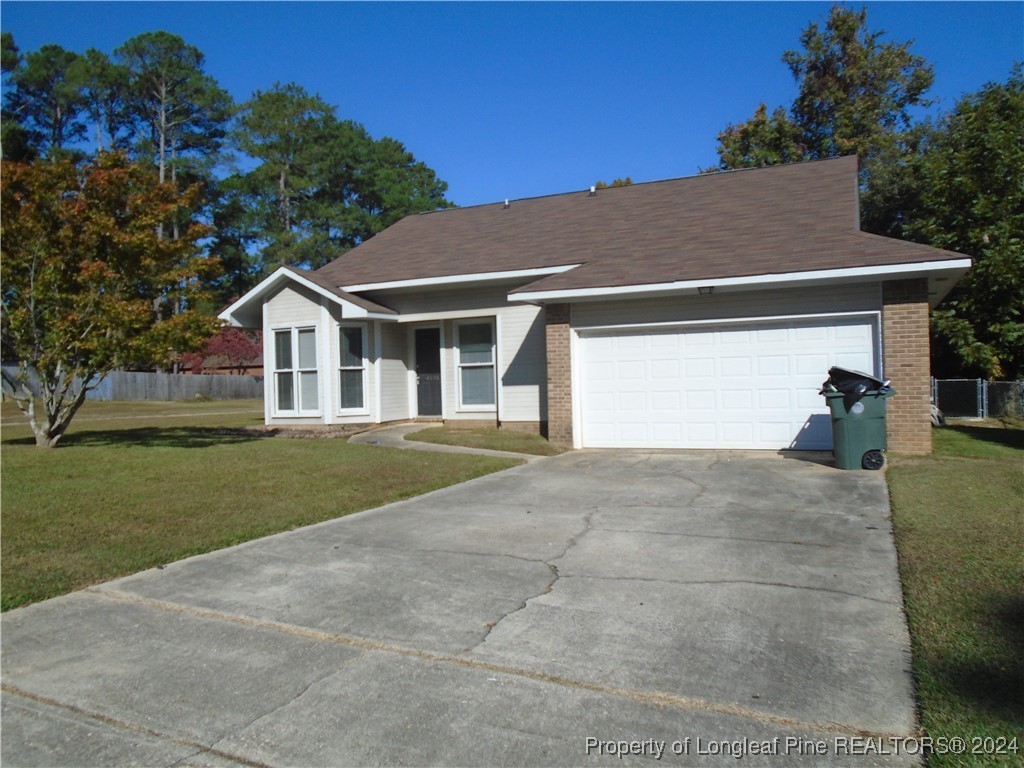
(490, 438)
(958, 517)
(136, 485)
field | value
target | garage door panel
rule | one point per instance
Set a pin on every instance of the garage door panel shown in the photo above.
(737, 400)
(632, 401)
(808, 399)
(775, 432)
(700, 401)
(774, 399)
(735, 367)
(631, 369)
(700, 366)
(667, 433)
(812, 364)
(858, 361)
(665, 340)
(738, 434)
(754, 386)
(700, 434)
(634, 432)
(811, 333)
(734, 337)
(669, 401)
(772, 335)
(665, 369)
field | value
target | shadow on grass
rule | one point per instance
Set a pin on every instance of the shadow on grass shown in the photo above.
(1012, 438)
(993, 681)
(153, 437)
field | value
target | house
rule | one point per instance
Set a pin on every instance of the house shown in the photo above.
(699, 312)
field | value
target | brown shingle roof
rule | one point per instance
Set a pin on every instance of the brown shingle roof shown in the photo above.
(787, 218)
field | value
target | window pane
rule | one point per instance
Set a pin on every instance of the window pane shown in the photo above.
(307, 348)
(478, 385)
(309, 392)
(283, 350)
(351, 389)
(475, 343)
(285, 393)
(351, 347)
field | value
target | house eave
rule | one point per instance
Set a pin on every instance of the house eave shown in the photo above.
(942, 275)
(467, 280)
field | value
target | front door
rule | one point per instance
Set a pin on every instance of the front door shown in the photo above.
(428, 371)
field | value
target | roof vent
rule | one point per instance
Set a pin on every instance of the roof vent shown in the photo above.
(506, 202)
(593, 192)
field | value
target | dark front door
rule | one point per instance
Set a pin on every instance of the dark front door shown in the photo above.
(428, 371)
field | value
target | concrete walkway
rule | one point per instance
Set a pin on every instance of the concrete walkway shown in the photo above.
(688, 605)
(393, 436)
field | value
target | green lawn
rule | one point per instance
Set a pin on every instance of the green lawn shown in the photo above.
(487, 437)
(958, 517)
(135, 485)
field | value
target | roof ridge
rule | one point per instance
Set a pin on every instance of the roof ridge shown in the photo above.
(698, 175)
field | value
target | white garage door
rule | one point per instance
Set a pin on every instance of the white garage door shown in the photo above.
(724, 386)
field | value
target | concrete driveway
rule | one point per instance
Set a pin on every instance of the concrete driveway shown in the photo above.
(690, 606)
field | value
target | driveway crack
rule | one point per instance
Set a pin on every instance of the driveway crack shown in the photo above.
(555, 576)
(290, 700)
(726, 582)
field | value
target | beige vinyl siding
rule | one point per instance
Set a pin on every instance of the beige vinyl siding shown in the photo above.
(394, 371)
(520, 362)
(523, 372)
(293, 306)
(723, 304)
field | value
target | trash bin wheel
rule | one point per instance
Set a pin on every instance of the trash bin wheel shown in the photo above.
(873, 460)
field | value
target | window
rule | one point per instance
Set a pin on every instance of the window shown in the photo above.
(295, 371)
(476, 365)
(352, 373)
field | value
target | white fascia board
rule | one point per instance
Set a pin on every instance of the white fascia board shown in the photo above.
(890, 271)
(349, 310)
(475, 277)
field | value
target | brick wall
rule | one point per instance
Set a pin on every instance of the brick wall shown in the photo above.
(906, 347)
(559, 374)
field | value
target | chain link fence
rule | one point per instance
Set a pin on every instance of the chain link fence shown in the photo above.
(978, 399)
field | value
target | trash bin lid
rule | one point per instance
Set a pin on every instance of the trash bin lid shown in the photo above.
(837, 375)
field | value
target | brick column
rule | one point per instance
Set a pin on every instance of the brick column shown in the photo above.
(559, 364)
(906, 346)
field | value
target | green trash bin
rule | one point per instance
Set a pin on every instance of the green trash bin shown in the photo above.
(858, 428)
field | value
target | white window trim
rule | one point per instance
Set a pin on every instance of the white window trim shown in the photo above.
(295, 370)
(364, 409)
(459, 365)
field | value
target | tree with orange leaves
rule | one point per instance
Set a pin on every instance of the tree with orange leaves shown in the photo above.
(87, 284)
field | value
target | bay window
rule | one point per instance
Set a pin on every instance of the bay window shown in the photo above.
(296, 379)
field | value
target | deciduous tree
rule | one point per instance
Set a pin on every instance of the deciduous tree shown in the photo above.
(854, 96)
(966, 193)
(82, 270)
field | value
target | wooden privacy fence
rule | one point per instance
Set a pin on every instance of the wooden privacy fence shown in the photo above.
(132, 385)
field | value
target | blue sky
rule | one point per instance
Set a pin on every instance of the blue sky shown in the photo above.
(511, 100)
